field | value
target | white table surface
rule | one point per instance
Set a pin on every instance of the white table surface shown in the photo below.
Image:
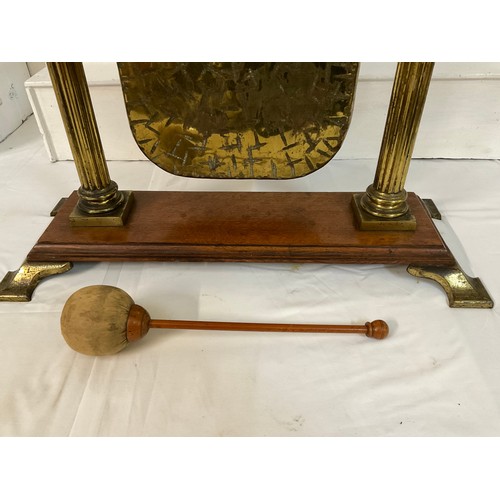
(437, 374)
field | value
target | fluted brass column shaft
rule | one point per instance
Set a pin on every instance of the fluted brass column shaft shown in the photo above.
(403, 119)
(386, 197)
(98, 193)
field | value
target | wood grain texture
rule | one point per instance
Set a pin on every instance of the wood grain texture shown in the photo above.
(377, 329)
(242, 227)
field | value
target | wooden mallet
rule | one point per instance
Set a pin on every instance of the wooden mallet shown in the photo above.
(100, 320)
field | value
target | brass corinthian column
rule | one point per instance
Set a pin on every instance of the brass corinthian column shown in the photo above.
(384, 205)
(100, 202)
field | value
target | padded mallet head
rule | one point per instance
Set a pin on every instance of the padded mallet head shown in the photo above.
(94, 320)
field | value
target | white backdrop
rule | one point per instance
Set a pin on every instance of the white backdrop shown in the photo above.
(461, 117)
(437, 374)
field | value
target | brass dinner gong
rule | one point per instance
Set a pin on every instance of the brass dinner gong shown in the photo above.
(252, 121)
(239, 120)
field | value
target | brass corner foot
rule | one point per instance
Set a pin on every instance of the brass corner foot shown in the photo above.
(462, 290)
(18, 286)
(431, 208)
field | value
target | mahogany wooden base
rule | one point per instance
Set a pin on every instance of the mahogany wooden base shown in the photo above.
(241, 227)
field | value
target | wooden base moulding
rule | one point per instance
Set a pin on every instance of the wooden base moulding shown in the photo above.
(241, 227)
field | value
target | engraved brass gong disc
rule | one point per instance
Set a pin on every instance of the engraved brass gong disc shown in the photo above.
(239, 120)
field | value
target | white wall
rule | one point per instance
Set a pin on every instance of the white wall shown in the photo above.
(35, 67)
(461, 117)
(14, 104)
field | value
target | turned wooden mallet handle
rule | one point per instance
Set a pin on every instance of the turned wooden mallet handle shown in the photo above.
(139, 322)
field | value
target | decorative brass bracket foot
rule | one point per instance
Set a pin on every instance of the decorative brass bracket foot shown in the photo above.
(462, 290)
(18, 286)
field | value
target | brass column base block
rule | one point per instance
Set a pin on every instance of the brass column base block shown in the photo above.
(116, 217)
(100, 201)
(367, 222)
(462, 290)
(18, 286)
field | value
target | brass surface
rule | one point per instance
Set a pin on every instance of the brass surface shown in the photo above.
(368, 222)
(432, 209)
(386, 197)
(239, 120)
(98, 193)
(462, 290)
(59, 204)
(384, 205)
(18, 286)
(117, 217)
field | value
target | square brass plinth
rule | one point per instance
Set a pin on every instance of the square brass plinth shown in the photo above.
(117, 217)
(368, 222)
